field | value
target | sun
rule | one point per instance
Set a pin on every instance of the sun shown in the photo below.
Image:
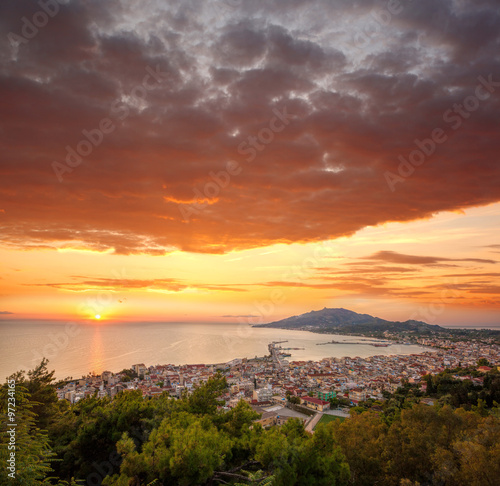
(97, 316)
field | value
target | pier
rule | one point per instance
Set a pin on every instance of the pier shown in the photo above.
(376, 345)
(275, 353)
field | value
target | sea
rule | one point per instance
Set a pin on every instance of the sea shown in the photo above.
(76, 349)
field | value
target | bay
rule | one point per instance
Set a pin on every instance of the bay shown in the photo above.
(75, 349)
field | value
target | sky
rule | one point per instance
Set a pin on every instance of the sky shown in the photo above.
(244, 161)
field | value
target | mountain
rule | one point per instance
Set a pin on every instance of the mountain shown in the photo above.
(328, 320)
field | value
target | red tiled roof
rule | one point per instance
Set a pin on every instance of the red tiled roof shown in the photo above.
(314, 400)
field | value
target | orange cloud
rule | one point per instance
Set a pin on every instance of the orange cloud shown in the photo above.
(83, 284)
(311, 125)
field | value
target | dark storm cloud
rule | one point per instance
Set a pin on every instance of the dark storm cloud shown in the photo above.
(222, 70)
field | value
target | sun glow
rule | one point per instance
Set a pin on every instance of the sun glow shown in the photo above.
(97, 316)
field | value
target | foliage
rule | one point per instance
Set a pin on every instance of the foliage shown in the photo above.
(457, 388)
(361, 439)
(39, 385)
(29, 445)
(205, 399)
(128, 374)
(296, 458)
(483, 362)
(425, 445)
(183, 450)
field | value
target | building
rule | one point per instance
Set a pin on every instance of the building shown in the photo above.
(106, 375)
(279, 400)
(325, 395)
(280, 420)
(357, 394)
(484, 369)
(315, 403)
(283, 417)
(139, 369)
(268, 419)
(263, 394)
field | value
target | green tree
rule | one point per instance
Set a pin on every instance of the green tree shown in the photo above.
(473, 457)
(238, 420)
(274, 452)
(431, 389)
(87, 432)
(334, 402)
(479, 456)
(361, 439)
(39, 383)
(320, 460)
(205, 399)
(24, 441)
(184, 450)
(296, 458)
(483, 362)
(414, 439)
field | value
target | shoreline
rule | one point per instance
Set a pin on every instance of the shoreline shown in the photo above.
(99, 348)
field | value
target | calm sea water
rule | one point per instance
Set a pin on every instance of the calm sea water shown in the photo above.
(76, 349)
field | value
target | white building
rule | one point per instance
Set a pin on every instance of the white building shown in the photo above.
(263, 394)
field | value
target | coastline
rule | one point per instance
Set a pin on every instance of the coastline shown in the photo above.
(74, 351)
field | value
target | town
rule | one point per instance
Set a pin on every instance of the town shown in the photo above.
(281, 389)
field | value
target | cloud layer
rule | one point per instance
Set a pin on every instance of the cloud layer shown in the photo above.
(199, 153)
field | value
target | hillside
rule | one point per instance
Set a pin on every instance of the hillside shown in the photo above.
(328, 320)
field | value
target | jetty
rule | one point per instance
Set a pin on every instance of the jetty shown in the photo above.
(376, 345)
(275, 353)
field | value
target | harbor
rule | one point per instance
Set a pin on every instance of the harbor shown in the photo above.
(276, 353)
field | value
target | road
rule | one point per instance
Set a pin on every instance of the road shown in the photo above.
(312, 423)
